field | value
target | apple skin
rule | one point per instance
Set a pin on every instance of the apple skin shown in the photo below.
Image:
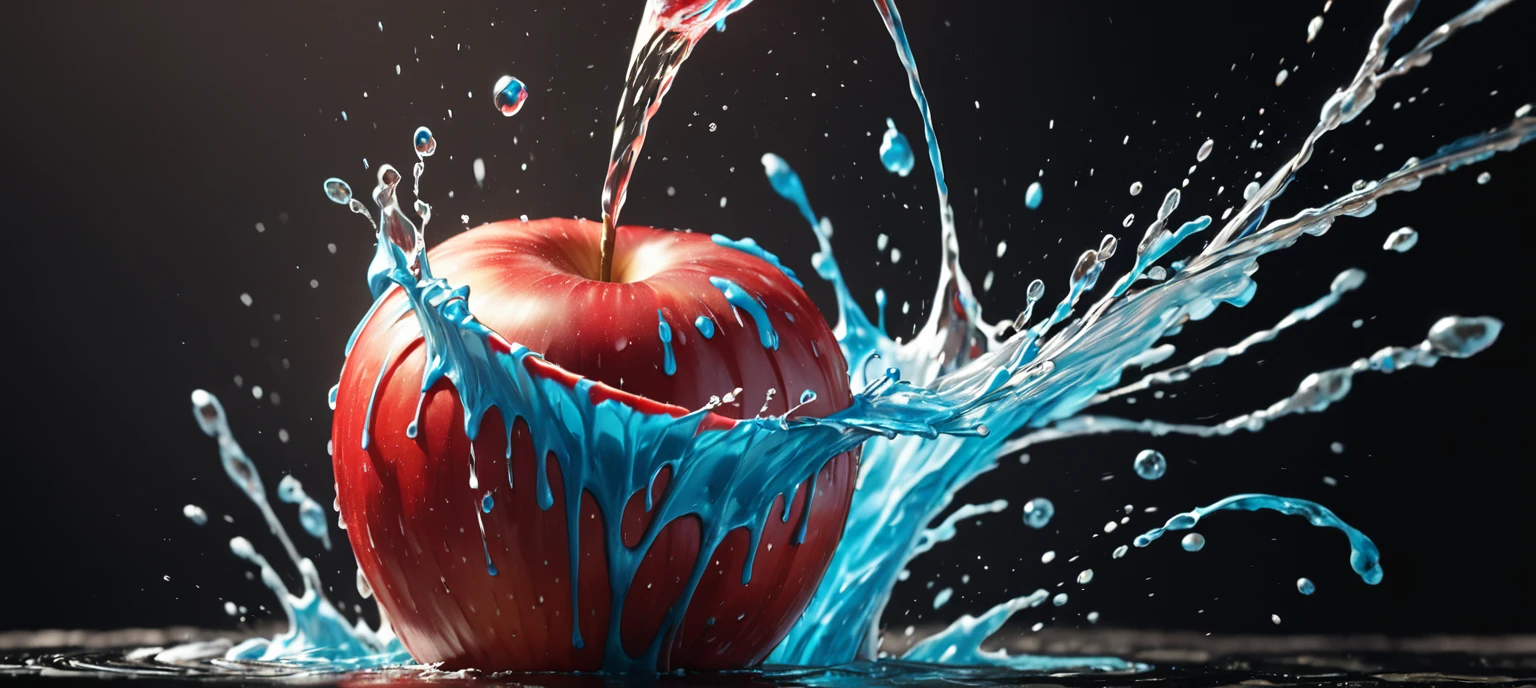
(407, 502)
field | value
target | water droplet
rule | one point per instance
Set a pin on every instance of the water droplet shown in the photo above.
(425, 144)
(1048, 557)
(1336, 447)
(510, 94)
(1060, 599)
(1281, 77)
(1093, 617)
(338, 191)
(1275, 618)
(195, 514)
(1128, 220)
(1305, 586)
(1250, 190)
(1135, 188)
(1193, 542)
(1038, 512)
(807, 396)
(1205, 150)
(479, 172)
(1313, 27)
(1461, 337)
(1484, 178)
(1150, 464)
(1119, 552)
(1402, 240)
(1033, 196)
(1170, 204)
(1035, 291)
(1085, 577)
(895, 152)
(487, 503)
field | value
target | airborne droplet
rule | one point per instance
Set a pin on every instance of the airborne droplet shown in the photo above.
(338, 191)
(510, 94)
(425, 144)
(1033, 196)
(1150, 464)
(1401, 240)
(1038, 512)
(1305, 586)
(1193, 542)
(895, 152)
(1205, 150)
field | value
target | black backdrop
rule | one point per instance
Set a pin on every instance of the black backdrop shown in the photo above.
(148, 141)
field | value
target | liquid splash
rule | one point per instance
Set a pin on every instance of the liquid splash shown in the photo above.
(939, 411)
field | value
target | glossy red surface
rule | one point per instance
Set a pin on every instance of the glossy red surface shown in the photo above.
(411, 514)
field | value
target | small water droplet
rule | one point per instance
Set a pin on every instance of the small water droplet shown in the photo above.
(1060, 599)
(1085, 577)
(425, 144)
(1038, 512)
(1305, 586)
(1135, 188)
(1401, 240)
(510, 94)
(1205, 150)
(1484, 178)
(1193, 542)
(1033, 196)
(1150, 464)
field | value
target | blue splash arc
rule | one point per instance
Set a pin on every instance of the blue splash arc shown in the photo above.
(935, 412)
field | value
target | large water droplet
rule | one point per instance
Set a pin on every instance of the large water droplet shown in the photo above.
(1038, 512)
(895, 152)
(1402, 240)
(1150, 464)
(425, 144)
(338, 191)
(1033, 196)
(510, 94)
(1193, 542)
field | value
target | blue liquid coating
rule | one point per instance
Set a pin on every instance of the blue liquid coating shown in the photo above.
(487, 503)
(1150, 464)
(705, 326)
(1305, 586)
(895, 152)
(739, 298)
(749, 246)
(1038, 512)
(1193, 542)
(669, 361)
(1033, 196)
(1364, 558)
(807, 396)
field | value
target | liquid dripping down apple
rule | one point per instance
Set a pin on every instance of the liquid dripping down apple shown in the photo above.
(963, 374)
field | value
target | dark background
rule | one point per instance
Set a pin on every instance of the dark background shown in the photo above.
(147, 141)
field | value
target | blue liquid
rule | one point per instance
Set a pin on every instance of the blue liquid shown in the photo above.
(895, 152)
(669, 362)
(1305, 586)
(1033, 196)
(1038, 512)
(705, 326)
(934, 412)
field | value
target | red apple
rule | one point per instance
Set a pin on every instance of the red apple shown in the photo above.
(411, 514)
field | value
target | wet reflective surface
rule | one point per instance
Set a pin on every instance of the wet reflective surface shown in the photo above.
(1174, 659)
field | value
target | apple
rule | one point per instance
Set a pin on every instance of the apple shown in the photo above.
(410, 511)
